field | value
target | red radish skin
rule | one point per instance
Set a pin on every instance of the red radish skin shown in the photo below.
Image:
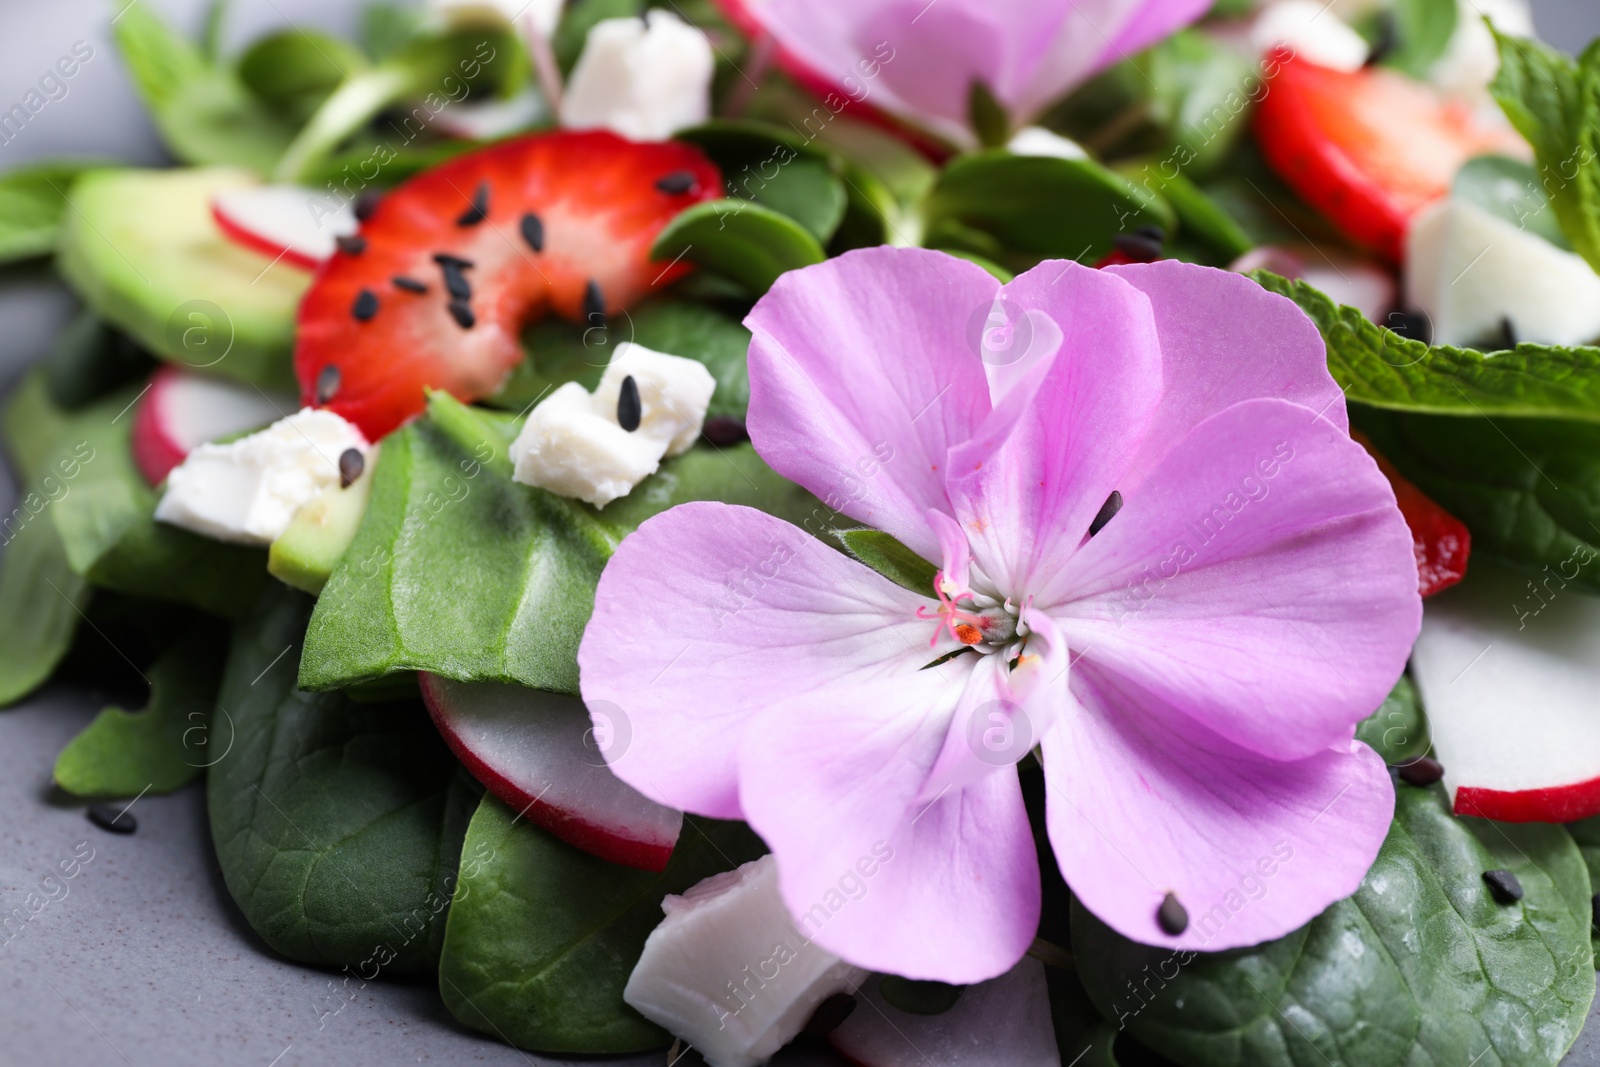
(597, 202)
(638, 833)
(1368, 149)
(1564, 803)
(277, 221)
(257, 243)
(181, 410)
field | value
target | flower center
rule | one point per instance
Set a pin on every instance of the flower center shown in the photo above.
(970, 618)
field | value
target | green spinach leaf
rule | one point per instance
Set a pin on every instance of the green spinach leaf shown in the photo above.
(746, 242)
(767, 165)
(1587, 835)
(1554, 102)
(542, 936)
(1509, 189)
(1420, 966)
(1398, 730)
(1422, 32)
(32, 201)
(338, 825)
(1378, 367)
(165, 746)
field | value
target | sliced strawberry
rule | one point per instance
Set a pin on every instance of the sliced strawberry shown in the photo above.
(448, 268)
(1440, 541)
(1368, 149)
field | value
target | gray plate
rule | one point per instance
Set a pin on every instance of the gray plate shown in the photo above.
(144, 960)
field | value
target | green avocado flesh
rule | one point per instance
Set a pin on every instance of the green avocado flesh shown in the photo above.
(321, 532)
(143, 251)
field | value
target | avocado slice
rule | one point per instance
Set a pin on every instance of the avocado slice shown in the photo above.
(316, 540)
(143, 251)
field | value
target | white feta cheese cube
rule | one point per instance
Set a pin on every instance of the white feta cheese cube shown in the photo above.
(1313, 32)
(247, 491)
(644, 78)
(674, 393)
(728, 971)
(569, 448)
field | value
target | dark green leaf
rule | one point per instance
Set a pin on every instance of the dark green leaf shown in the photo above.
(91, 359)
(1420, 966)
(458, 570)
(1378, 367)
(1043, 207)
(890, 558)
(559, 351)
(580, 18)
(1422, 31)
(919, 997)
(298, 68)
(1204, 91)
(1587, 835)
(338, 826)
(161, 748)
(1200, 218)
(204, 113)
(1398, 730)
(32, 202)
(987, 116)
(32, 422)
(41, 599)
(106, 521)
(1509, 189)
(387, 28)
(542, 936)
(740, 240)
(769, 166)
(1555, 104)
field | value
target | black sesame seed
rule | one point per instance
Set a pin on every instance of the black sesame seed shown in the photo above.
(328, 379)
(1139, 247)
(1503, 886)
(677, 183)
(629, 408)
(1171, 916)
(112, 819)
(830, 1014)
(479, 209)
(1508, 332)
(455, 281)
(461, 311)
(442, 258)
(351, 244)
(533, 231)
(1422, 771)
(1411, 325)
(366, 305)
(1594, 914)
(351, 464)
(1388, 40)
(1152, 232)
(722, 431)
(366, 204)
(410, 285)
(594, 304)
(1107, 512)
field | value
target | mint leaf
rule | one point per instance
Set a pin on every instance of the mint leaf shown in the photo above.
(1422, 30)
(203, 112)
(163, 747)
(460, 571)
(1587, 835)
(337, 825)
(1398, 730)
(1555, 104)
(770, 166)
(743, 241)
(1420, 966)
(1509, 189)
(542, 936)
(1528, 489)
(1378, 367)
(890, 558)
(32, 201)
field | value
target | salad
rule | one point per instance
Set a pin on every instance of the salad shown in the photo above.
(959, 533)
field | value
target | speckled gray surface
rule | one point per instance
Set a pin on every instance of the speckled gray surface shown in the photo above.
(141, 959)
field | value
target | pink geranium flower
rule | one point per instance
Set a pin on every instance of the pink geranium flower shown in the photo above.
(917, 60)
(1193, 671)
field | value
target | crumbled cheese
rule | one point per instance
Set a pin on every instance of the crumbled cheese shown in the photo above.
(730, 973)
(644, 78)
(248, 491)
(1038, 141)
(573, 444)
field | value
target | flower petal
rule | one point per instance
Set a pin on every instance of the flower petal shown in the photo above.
(1262, 582)
(1265, 346)
(1027, 493)
(1252, 848)
(946, 889)
(709, 613)
(862, 375)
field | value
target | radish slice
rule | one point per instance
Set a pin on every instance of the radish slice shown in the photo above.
(1004, 1022)
(1508, 676)
(1360, 283)
(181, 411)
(534, 751)
(490, 120)
(288, 222)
